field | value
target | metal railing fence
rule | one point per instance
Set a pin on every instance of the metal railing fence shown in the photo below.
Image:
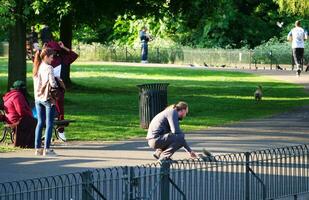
(266, 174)
(183, 55)
(241, 58)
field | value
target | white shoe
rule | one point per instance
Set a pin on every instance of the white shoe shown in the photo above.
(49, 152)
(61, 136)
(38, 152)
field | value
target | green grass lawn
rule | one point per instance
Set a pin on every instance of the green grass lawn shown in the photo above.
(7, 148)
(104, 99)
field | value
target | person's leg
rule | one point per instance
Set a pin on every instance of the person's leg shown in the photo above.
(153, 144)
(50, 111)
(60, 105)
(296, 60)
(146, 52)
(39, 127)
(60, 110)
(301, 56)
(143, 51)
(174, 142)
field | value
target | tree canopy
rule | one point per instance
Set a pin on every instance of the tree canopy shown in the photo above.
(294, 7)
(195, 23)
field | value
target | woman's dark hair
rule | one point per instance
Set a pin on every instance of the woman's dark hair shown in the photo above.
(38, 57)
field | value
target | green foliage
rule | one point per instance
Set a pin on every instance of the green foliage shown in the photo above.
(6, 18)
(7, 148)
(294, 7)
(126, 31)
(215, 24)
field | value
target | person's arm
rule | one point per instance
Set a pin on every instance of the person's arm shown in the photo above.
(289, 38)
(51, 77)
(172, 118)
(70, 56)
(173, 121)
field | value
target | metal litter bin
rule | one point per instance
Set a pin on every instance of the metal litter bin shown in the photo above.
(152, 100)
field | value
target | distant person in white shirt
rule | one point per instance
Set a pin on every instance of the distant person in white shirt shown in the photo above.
(297, 36)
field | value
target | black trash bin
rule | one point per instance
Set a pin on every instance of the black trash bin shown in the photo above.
(152, 100)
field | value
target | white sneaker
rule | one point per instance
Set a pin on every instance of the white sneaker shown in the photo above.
(61, 136)
(49, 152)
(38, 152)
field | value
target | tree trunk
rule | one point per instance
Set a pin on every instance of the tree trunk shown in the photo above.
(66, 33)
(17, 47)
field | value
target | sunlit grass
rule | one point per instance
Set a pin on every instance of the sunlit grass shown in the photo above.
(7, 148)
(104, 99)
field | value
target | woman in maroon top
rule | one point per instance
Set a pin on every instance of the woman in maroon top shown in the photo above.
(63, 57)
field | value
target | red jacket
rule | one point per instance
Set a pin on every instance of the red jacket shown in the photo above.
(15, 106)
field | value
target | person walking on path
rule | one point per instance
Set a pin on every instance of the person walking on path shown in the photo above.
(297, 36)
(164, 134)
(145, 38)
(44, 81)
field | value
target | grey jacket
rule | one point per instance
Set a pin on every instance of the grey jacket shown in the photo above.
(165, 122)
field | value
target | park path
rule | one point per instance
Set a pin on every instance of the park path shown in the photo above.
(285, 129)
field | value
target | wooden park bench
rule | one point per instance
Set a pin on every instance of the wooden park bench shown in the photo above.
(8, 129)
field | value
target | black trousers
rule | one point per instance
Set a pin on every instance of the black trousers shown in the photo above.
(168, 143)
(298, 55)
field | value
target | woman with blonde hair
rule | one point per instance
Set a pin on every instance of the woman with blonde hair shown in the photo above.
(44, 81)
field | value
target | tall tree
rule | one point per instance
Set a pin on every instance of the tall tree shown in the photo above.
(70, 14)
(13, 14)
(66, 33)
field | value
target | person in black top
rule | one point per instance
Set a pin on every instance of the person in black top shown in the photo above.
(145, 38)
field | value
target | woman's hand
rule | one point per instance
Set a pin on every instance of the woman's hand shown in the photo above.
(62, 46)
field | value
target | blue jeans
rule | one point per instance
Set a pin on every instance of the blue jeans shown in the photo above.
(45, 114)
(144, 51)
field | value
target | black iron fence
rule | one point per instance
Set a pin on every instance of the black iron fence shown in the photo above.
(268, 58)
(265, 174)
(258, 58)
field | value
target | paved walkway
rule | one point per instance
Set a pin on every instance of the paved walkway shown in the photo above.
(281, 130)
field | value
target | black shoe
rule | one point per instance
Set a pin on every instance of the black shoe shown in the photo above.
(167, 160)
(157, 154)
(298, 72)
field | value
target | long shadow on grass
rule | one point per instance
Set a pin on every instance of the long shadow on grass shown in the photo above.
(173, 72)
(120, 86)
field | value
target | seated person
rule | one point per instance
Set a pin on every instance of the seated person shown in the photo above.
(18, 114)
(16, 105)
